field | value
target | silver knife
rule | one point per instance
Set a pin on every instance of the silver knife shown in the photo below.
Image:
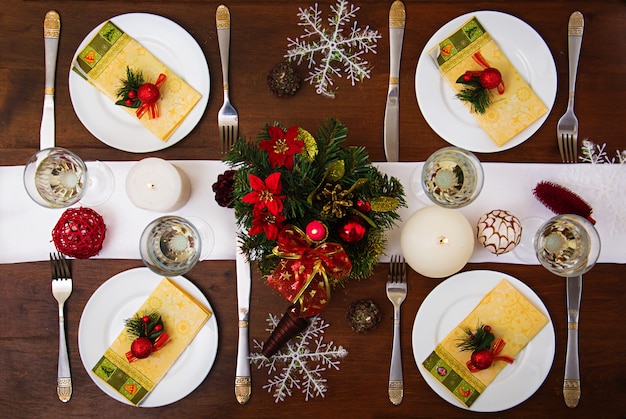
(51, 32)
(571, 383)
(391, 138)
(243, 384)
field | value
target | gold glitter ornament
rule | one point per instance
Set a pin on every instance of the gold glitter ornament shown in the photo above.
(384, 204)
(499, 231)
(310, 145)
(336, 200)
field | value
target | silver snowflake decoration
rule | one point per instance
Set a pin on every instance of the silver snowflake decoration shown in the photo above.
(301, 363)
(335, 47)
(602, 187)
(595, 154)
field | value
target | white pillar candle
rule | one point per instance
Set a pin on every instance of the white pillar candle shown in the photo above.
(437, 242)
(157, 185)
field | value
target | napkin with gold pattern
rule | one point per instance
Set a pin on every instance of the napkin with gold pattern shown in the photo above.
(182, 316)
(103, 63)
(511, 317)
(509, 113)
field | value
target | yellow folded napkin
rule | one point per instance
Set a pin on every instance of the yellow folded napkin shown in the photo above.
(511, 317)
(103, 63)
(509, 113)
(182, 316)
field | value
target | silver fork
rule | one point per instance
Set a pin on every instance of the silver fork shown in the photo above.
(396, 292)
(61, 289)
(567, 127)
(227, 118)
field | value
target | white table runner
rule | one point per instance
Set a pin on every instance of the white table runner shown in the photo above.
(26, 227)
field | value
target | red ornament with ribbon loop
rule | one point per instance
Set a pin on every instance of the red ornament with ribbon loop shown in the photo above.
(148, 94)
(304, 273)
(490, 77)
(483, 358)
(478, 84)
(485, 348)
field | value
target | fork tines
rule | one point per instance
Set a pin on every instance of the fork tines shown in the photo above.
(397, 269)
(59, 266)
(568, 146)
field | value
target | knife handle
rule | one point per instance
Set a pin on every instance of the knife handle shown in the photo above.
(571, 383)
(243, 382)
(397, 21)
(51, 32)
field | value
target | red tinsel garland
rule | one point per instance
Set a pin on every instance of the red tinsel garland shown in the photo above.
(79, 233)
(561, 200)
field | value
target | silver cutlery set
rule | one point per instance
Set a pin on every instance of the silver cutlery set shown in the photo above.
(396, 287)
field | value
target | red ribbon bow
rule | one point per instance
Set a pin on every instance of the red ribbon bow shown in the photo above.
(302, 276)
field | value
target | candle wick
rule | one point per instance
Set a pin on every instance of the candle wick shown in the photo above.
(151, 186)
(443, 240)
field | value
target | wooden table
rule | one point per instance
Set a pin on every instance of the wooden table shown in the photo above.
(28, 337)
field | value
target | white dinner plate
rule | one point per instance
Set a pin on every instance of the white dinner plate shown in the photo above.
(449, 117)
(177, 49)
(103, 319)
(447, 305)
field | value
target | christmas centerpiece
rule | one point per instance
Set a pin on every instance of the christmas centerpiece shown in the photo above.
(312, 212)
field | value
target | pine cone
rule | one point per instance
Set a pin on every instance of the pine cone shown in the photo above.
(363, 316)
(283, 80)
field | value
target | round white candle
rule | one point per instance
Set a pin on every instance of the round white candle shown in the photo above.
(437, 242)
(157, 185)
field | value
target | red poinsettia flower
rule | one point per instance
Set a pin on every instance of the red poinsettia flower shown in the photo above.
(266, 222)
(265, 194)
(282, 146)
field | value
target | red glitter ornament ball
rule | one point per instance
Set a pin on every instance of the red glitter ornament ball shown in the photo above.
(352, 231)
(148, 93)
(79, 233)
(482, 359)
(490, 78)
(141, 348)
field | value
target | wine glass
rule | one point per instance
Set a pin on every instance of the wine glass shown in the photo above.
(57, 178)
(170, 245)
(451, 178)
(567, 245)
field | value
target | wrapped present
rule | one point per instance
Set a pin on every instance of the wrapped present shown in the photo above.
(513, 105)
(182, 316)
(512, 320)
(104, 63)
